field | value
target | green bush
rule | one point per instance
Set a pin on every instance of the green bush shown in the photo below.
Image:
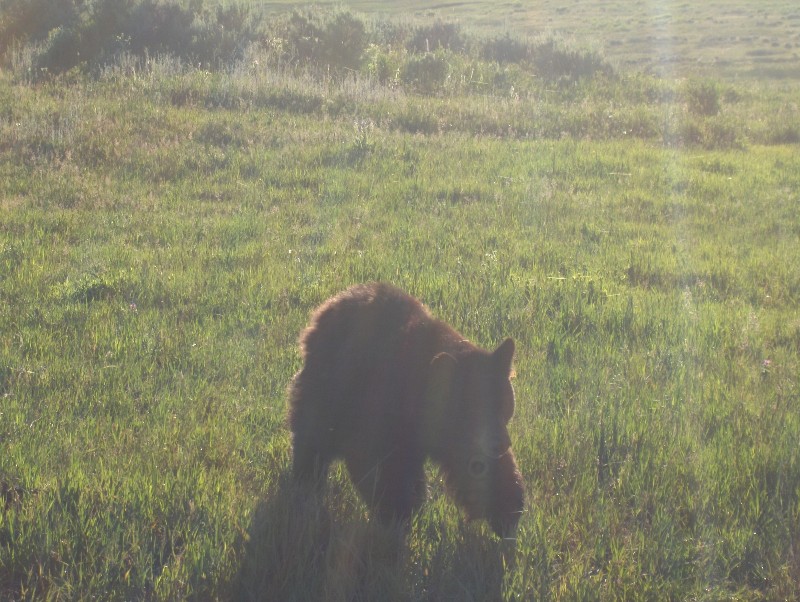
(324, 40)
(784, 133)
(506, 49)
(703, 97)
(23, 21)
(92, 36)
(96, 31)
(554, 61)
(722, 133)
(345, 38)
(158, 28)
(64, 34)
(425, 73)
(382, 64)
(62, 50)
(438, 35)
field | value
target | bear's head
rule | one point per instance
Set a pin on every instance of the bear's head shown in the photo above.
(473, 390)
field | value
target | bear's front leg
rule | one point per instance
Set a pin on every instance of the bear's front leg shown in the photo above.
(392, 484)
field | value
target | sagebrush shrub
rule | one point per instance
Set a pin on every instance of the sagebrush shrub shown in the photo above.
(24, 21)
(703, 97)
(336, 41)
(93, 32)
(557, 62)
(506, 49)
(439, 34)
(425, 73)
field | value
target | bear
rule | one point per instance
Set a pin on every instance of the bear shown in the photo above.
(385, 386)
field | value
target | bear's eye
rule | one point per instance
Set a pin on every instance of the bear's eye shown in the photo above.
(478, 468)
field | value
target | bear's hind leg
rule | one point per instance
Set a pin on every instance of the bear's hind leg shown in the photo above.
(312, 448)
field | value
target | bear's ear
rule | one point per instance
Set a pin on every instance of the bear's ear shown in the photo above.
(503, 356)
(443, 369)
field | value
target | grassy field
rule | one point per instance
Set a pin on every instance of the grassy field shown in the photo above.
(732, 39)
(166, 230)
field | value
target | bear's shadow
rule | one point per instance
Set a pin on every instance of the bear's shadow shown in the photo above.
(296, 549)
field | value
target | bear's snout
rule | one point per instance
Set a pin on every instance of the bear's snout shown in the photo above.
(509, 497)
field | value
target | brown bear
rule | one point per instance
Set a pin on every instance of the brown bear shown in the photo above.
(384, 386)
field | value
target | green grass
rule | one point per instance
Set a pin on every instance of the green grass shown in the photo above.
(165, 232)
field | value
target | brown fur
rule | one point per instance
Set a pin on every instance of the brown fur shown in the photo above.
(385, 386)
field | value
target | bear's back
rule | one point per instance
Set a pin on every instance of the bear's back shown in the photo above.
(362, 326)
